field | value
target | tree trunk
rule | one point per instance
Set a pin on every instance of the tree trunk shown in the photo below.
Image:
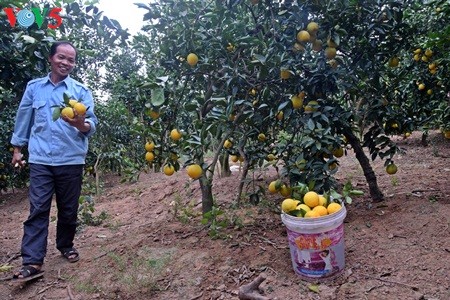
(424, 141)
(244, 173)
(224, 165)
(375, 193)
(207, 196)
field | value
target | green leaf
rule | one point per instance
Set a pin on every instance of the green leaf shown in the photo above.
(259, 58)
(66, 98)
(335, 195)
(158, 97)
(28, 39)
(348, 200)
(56, 113)
(356, 192)
(311, 124)
(6, 268)
(314, 288)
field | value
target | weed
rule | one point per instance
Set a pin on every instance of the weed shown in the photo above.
(140, 270)
(85, 213)
(394, 181)
(183, 212)
(86, 287)
(215, 223)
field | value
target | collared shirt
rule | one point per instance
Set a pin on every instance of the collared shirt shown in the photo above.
(51, 142)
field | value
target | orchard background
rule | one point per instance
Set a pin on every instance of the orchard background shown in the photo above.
(286, 89)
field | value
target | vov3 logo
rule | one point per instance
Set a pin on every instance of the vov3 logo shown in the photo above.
(27, 17)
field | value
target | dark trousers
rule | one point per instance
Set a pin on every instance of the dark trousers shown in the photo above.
(65, 182)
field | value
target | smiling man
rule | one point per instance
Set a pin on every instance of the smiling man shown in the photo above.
(57, 151)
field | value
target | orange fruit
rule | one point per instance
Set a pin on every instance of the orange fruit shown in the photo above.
(297, 101)
(311, 199)
(312, 27)
(175, 134)
(194, 171)
(153, 114)
(303, 207)
(149, 146)
(227, 144)
(168, 170)
(285, 191)
(72, 102)
(393, 62)
(285, 74)
(330, 52)
(333, 207)
(303, 36)
(192, 59)
(321, 210)
(80, 108)
(391, 169)
(273, 186)
(317, 45)
(68, 112)
(322, 201)
(339, 152)
(149, 156)
(289, 204)
(312, 214)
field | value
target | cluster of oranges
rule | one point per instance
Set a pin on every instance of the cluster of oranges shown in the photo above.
(71, 107)
(305, 36)
(194, 171)
(312, 205)
(168, 169)
(425, 57)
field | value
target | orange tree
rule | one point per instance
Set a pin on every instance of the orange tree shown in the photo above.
(427, 61)
(313, 76)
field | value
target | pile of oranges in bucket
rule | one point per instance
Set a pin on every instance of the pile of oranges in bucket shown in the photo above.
(312, 205)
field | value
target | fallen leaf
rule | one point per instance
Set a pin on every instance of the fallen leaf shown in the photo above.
(314, 288)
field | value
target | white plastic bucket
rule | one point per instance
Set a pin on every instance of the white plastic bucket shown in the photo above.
(316, 244)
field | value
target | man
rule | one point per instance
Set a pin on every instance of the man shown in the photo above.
(57, 151)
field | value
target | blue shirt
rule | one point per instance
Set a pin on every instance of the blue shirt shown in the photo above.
(53, 143)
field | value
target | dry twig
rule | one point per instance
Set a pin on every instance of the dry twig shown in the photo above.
(69, 293)
(415, 288)
(250, 291)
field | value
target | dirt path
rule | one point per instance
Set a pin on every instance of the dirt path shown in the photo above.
(153, 246)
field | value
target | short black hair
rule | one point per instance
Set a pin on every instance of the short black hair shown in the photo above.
(55, 46)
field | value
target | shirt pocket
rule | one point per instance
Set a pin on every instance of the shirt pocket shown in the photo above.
(40, 111)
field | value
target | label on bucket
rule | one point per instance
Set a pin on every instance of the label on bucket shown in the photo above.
(317, 255)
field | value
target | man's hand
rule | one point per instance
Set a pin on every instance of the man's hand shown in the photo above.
(78, 121)
(17, 161)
